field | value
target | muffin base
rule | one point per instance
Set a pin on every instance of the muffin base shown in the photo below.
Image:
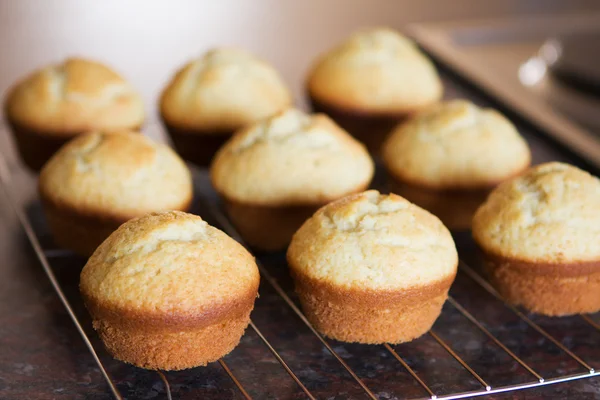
(455, 208)
(370, 316)
(196, 146)
(35, 147)
(81, 232)
(172, 341)
(371, 129)
(268, 228)
(173, 350)
(548, 289)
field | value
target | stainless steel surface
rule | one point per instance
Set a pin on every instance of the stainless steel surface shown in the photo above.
(509, 57)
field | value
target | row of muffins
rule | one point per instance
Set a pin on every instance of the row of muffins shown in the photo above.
(368, 268)
(274, 174)
(446, 160)
(374, 79)
(356, 261)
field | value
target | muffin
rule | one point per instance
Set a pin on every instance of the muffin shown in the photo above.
(54, 104)
(540, 235)
(275, 174)
(168, 291)
(372, 268)
(371, 82)
(99, 180)
(213, 96)
(447, 159)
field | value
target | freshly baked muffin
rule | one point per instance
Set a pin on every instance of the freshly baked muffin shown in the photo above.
(99, 180)
(54, 104)
(540, 234)
(372, 268)
(446, 159)
(168, 291)
(275, 174)
(215, 95)
(371, 82)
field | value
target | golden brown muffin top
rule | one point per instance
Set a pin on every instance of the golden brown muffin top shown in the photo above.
(291, 158)
(222, 91)
(121, 174)
(73, 97)
(377, 71)
(456, 144)
(550, 214)
(169, 263)
(374, 241)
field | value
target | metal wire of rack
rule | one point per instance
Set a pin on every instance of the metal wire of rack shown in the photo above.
(537, 379)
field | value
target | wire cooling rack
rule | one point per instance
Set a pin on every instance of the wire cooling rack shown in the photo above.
(552, 343)
(479, 345)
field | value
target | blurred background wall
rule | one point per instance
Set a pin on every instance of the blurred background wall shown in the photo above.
(147, 40)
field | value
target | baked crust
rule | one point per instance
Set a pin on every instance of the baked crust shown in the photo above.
(372, 268)
(370, 316)
(373, 241)
(222, 91)
(291, 159)
(378, 71)
(116, 172)
(168, 291)
(456, 145)
(98, 181)
(548, 215)
(539, 234)
(553, 289)
(76, 96)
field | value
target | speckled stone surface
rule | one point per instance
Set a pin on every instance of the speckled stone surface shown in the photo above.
(42, 355)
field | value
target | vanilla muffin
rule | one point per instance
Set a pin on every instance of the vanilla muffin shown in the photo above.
(371, 82)
(99, 180)
(275, 174)
(372, 268)
(447, 158)
(540, 234)
(168, 291)
(56, 103)
(213, 96)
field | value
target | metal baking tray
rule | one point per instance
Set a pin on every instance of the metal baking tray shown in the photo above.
(511, 59)
(478, 346)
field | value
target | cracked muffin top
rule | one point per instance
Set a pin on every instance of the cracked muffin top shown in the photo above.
(121, 174)
(73, 97)
(291, 158)
(171, 264)
(550, 214)
(223, 90)
(376, 71)
(374, 241)
(456, 145)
